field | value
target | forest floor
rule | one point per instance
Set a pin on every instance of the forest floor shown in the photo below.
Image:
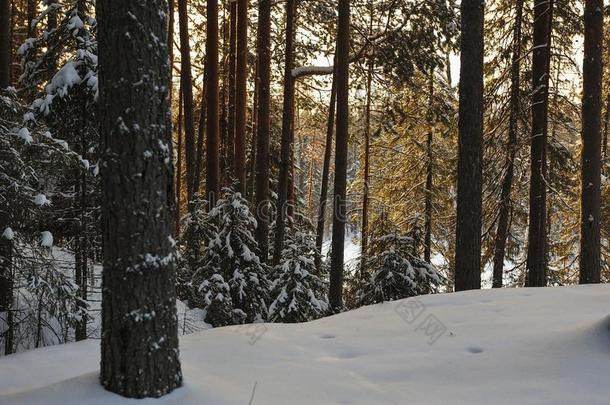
(511, 346)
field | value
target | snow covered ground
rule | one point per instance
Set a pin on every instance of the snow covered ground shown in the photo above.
(512, 346)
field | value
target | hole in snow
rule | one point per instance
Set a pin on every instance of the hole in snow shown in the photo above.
(327, 337)
(474, 350)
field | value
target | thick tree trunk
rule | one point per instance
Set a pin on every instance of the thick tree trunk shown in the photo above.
(139, 347)
(213, 124)
(590, 271)
(187, 96)
(287, 131)
(429, 172)
(5, 44)
(511, 150)
(339, 200)
(469, 199)
(326, 172)
(263, 126)
(537, 232)
(241, 96)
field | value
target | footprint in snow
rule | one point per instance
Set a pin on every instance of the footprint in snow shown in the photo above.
(474, 350)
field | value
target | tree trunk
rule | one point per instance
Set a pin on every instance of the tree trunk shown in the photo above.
(230, 146)
(263, 126)
(469, 199)
(511, 149)
(170, 46)
(6, 280)
(287, 131)
(241, 97)
(429, 168)
(537, 232)
(606, 128)
(179, 155)
(32, 12)
(213, 124)
(139, 346)
(339, 201)
(326, 172)
(367, 152)
(590, 271)
(5, 44)
(187, 96)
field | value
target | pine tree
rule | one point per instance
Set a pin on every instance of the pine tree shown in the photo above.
(228, 252)
(263, 117)
(537, 231)
(396, 271)
(590, 271)
(469, 199)
(5, 44)
(299, 292)
(139, 325)
(212, 123)
(339, 214)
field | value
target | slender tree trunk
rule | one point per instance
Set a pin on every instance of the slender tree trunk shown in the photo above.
(6, 280)
(232, 89)
(537, 232)
(469, 200)
(179, 155)
(287, 131)
(213, 124)
(139, 347)
(253, 145)
(5, 44)
(170, 46)
(590, 271)
(339, 202)
(429, 168)
(241, 98)
(32, 11)
(263, 126)
(201, 130)
(326, 172)
(187, 95)
(606, 128)
(511, 149)
(367, 152)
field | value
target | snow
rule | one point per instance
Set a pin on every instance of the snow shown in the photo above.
(8, 233)
(46, 239)
(41, 200)
(511, 346)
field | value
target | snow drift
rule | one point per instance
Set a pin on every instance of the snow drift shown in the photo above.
(512, 346)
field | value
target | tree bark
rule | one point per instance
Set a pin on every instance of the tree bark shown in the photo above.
(263, 126)
(342, 135)
(537, 233)
(511, 149)
(230, 148)
(5, 44)
(139, 345)
(469, 199)
(326, 173)
(241, 98)
(590, 271)
(287, 130)
(179, 155)
(213, 124)
(367, 152)
(429, 169)
(187, 96)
